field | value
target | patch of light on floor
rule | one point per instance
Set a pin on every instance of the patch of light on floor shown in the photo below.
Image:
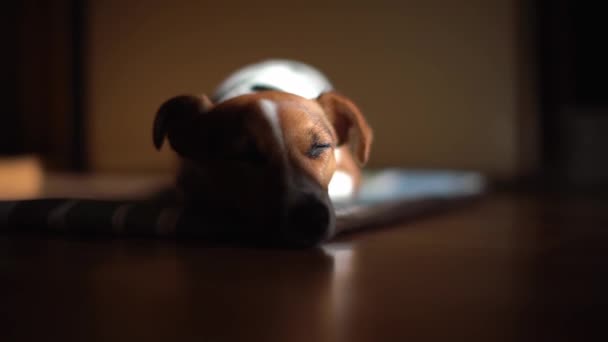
(343, 256)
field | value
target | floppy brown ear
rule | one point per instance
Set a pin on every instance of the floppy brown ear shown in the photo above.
(176, 112)
(349, 123)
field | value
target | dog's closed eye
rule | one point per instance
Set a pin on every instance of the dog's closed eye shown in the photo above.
(318, 146)
(317, 149)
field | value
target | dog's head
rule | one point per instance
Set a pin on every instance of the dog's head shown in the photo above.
(266, 157)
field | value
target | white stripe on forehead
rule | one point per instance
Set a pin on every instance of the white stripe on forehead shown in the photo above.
(271, 112)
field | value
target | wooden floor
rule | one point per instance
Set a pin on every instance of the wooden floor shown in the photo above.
(507, 268)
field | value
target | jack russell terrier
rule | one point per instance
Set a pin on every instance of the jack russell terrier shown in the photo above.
(274, 143)
(260, 162)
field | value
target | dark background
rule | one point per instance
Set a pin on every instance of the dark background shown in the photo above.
(45, 59)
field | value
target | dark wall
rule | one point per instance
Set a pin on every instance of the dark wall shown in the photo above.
(590, 62)
(574, 76)
(41, 112)
(11, 122)
(441, 81)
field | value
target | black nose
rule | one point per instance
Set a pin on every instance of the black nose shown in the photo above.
(310, 221)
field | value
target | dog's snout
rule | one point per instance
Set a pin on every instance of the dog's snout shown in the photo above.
(310, 220)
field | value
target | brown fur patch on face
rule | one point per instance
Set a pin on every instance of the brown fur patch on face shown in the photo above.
(309, 139)
(349, 123)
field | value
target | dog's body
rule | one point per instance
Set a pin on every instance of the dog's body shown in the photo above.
(283, 75)
(274, 145)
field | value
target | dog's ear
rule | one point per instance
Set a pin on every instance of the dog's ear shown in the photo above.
(349, 123)
(175, 113)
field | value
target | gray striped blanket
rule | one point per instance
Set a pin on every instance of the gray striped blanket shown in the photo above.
(386, 197)
(87, 217)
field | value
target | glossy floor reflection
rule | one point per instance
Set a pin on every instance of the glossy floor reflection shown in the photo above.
(508, 268)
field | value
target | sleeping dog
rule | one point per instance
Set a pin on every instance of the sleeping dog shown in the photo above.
(273, 144)
(268, 152)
